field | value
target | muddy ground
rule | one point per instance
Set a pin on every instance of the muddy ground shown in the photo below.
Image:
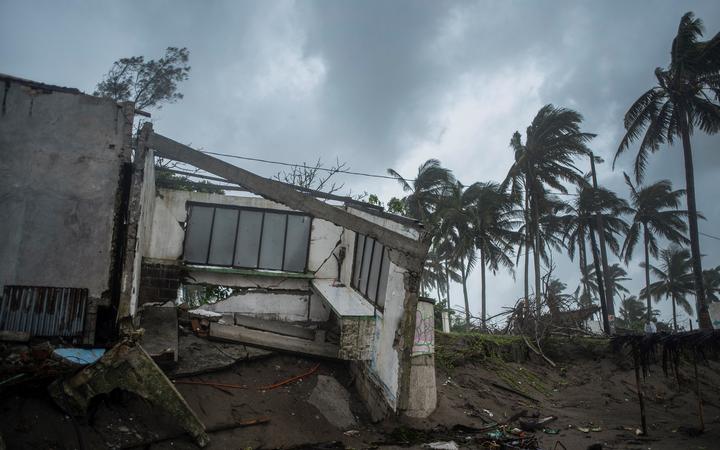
(590, 389)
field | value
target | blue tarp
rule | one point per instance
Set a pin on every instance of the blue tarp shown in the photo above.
(80, 355)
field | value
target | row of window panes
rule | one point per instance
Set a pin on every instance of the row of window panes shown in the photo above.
(247, 238)
(370, 269)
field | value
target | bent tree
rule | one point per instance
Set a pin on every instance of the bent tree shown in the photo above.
(686, 96)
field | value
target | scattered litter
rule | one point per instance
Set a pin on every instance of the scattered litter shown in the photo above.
(351, 433)
(551, 431)
(449, 445)
(583, 429)
(205, 313)
(488, 412)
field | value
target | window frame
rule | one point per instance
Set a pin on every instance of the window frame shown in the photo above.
(356, 267)
(188, 211)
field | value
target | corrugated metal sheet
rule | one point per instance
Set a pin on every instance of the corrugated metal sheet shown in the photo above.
(43, 311)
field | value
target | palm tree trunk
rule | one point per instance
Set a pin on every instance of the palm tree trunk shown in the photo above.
(536, 260)
(482, 288)
(703, 315)
(600, 284)
(609, 303)
(674, 315)
(447, 285)
(646, 238)
(527, 257)
(465, 293)
(583, 263)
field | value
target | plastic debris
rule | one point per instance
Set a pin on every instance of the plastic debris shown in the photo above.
(440, 445)
(79, 355)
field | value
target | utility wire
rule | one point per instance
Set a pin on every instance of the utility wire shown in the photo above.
(363, 174)
(267, 161)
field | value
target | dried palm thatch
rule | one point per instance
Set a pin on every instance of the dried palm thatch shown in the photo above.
(698, 346)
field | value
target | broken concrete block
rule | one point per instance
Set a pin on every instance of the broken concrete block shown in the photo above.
(160, 338)
(273, 341)
(333, 402)
(128, 367)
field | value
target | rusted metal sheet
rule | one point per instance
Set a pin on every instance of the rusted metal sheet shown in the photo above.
(43, 311)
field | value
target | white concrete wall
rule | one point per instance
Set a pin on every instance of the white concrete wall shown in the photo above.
(144, 234)
(168, 234)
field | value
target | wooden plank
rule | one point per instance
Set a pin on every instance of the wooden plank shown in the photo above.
(274, 326)
(277, 192)
(272, 341)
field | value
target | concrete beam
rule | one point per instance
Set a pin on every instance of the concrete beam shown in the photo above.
(278, 192)
(272, 341)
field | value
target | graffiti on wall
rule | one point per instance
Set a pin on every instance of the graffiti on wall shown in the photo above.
(424, 342)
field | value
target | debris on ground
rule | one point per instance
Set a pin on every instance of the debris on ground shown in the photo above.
(333, 401)
(127, 367)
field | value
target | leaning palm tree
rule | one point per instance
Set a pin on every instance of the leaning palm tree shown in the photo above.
(655, 214)
(675, 280)
(580, 221)
(426, 190)
(456, 230)
(546, 159)
(493, 221)
(685, 97)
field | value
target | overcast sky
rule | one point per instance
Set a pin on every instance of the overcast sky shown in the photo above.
(383, 84)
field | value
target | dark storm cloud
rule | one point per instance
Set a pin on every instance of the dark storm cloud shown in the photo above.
(380, 83)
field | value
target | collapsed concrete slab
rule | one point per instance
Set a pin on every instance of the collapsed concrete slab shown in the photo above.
(126, 367)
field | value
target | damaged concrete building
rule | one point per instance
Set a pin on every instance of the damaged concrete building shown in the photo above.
(90, 241)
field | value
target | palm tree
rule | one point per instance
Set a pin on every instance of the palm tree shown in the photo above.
(616, 276)
(674, 279)
(711, 283)
(493, 221)
(552, 141)
(426, 190)
(456, 232)
(655, 213)
(580, 221)
(685, 97)
(632, 314)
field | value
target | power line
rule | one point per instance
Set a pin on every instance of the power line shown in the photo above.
(363, 174)
(304, 166)
(709, 235)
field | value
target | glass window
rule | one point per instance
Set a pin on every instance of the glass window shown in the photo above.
(374, 271)
(222, 242)
(272, 243)
(296, 243)
(370, 269)
(248, 239)
(198, 234)
(359, 245)
(382, 283)
(365, 269)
